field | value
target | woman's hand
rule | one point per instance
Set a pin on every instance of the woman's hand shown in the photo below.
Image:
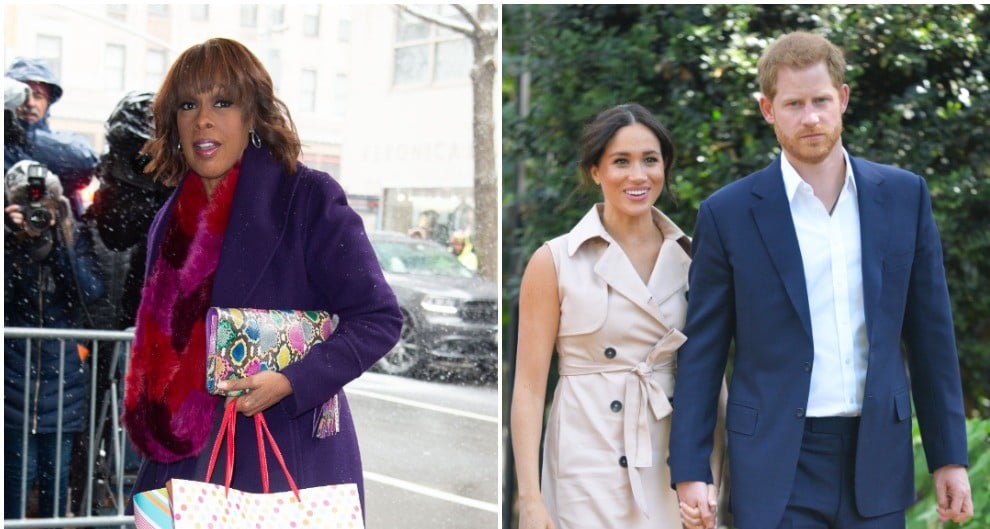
(691, 517)
(264, 390)
(533, 514)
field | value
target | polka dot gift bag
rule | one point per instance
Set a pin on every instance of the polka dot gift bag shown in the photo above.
(204, 505)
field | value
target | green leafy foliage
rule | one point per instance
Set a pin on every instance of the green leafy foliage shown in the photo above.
(920, 100)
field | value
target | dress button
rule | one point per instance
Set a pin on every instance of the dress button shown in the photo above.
(616, 406)
(609, 352)
(807, 367)
(622, 462)
(799, 413)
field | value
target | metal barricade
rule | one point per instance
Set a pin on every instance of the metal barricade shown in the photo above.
(104, 495)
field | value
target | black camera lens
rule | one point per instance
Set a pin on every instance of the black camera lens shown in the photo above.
(39, 219)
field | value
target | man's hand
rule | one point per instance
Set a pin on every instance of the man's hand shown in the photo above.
(13, 218)
(265, 389)
(698, 503)
(953, 494)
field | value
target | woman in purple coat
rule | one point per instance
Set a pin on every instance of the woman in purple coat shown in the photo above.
(247, 226)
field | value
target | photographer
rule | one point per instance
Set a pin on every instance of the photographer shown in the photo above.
(66, 154)
(122, 210)
(50, 275)
(128, 198)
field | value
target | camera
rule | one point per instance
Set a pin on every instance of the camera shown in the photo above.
(37, 217)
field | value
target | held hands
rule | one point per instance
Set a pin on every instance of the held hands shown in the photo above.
(953, 494)
(264, 390)
(698, 503)
(533, 514)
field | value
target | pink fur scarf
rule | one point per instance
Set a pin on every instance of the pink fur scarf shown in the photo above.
(167, 411)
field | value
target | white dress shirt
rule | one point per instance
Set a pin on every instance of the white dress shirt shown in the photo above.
(832, 258)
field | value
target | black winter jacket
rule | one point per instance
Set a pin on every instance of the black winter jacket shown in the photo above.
(50, 293)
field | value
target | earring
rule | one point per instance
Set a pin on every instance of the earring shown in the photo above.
(179, 148)
(255, 139)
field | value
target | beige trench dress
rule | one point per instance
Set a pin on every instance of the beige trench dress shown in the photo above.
(605, 452)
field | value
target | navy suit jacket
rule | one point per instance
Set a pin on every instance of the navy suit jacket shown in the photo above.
(747, 286)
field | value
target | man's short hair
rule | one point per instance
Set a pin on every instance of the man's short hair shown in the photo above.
(799, 50)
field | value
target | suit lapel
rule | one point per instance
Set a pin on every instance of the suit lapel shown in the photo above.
(772, 214)
(873, 228)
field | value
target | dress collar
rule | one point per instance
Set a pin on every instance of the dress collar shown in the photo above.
(590, 226)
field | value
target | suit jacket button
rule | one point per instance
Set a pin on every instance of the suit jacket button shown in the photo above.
(609, 352)
(622, 462)
(807, 367)
(616, 406)
(799, 413)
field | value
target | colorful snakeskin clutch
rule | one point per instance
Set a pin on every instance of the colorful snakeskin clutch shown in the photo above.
(244, 342)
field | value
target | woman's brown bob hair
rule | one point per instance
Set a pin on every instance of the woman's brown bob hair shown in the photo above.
(229, 66)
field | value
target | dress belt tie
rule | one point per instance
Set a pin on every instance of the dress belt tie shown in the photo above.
(643, 395)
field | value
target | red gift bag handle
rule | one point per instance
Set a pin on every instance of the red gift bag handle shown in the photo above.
(226, 430)
(227, 426)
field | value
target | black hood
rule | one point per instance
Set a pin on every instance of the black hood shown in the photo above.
(130, 125)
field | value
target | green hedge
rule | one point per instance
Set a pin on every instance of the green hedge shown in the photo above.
(920, 100)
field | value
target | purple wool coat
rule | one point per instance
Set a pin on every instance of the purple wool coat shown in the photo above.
(292, 242)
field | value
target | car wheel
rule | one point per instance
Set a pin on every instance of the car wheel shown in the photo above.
(404, 358)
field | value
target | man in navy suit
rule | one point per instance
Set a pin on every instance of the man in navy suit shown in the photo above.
(826, 272)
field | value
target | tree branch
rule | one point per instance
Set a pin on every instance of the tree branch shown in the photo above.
(469, 16)
(464, 29)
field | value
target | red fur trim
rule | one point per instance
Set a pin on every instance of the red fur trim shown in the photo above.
(167, 411)
(223, 197)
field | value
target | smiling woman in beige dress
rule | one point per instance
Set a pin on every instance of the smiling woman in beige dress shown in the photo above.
(610, 296)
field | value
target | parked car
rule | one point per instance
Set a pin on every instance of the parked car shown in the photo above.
(450, 312)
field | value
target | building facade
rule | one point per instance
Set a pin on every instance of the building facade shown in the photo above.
(382, 101)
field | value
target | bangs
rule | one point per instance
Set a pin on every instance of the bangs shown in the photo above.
(209, 69)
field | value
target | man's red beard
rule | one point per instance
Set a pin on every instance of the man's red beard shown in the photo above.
(809, 153)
